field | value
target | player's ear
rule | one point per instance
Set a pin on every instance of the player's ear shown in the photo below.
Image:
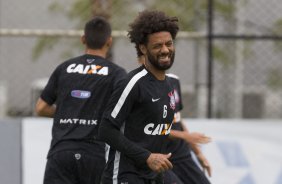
(143, 49)
(109, 42)
(82, 39)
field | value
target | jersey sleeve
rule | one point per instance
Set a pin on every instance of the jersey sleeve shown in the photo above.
(178, 86)
(111, 127)
(49, 93)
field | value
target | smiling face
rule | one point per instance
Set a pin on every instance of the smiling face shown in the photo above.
(159, 50)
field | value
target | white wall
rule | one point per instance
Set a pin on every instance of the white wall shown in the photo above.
(36, 139)
(10, 151)
(242, 151)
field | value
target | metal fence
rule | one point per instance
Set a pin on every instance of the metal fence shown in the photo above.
(245, 65)
(227, 53)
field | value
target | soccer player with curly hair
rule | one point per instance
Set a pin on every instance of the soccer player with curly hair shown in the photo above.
(139, 116)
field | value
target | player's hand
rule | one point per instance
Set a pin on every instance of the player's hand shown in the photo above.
(204, 163)
(159, 162)
(197, 138)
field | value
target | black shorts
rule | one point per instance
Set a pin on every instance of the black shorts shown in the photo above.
(171, 178)
(73, 167)
(134, 179)
(188, 172)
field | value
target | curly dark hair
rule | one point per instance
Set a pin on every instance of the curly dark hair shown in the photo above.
(148, 22)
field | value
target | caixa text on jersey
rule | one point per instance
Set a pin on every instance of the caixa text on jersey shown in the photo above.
(157, 129)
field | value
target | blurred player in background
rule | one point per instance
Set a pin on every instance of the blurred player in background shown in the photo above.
(75, 96)
(182, 142)
(138, 119)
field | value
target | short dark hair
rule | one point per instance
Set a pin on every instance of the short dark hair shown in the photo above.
(148, 22)
(96, 32)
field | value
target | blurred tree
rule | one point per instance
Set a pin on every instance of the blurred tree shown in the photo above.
(191, 14)
(277, 30)
(80, 11)
(274, 79)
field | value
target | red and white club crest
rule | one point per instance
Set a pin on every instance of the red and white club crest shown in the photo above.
(176, 96)
(172, 100)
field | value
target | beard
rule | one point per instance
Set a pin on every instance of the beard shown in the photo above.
(155, 61)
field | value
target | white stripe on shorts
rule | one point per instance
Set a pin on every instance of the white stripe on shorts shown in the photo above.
(117, 160)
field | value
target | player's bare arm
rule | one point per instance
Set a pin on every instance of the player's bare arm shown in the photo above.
(191, 138)
(202, 159)
(44, 109)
